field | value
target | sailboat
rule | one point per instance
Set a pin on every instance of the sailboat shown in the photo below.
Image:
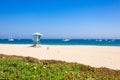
(66, 39)
(11, 39)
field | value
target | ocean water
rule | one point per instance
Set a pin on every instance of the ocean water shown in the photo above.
(98, 42)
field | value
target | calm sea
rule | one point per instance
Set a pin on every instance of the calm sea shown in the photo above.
(99, 42)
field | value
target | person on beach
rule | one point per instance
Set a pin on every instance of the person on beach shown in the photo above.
(47, 48)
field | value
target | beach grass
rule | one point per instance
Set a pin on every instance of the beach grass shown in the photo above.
(28, 68)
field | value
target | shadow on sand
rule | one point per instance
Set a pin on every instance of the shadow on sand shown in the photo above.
(35, 46)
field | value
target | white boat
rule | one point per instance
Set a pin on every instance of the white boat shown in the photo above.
(100, 40)
(11, 39)
(66, 39)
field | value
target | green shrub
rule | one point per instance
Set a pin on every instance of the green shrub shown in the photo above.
(28, 68)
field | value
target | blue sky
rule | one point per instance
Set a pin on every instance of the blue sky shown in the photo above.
(60, 18)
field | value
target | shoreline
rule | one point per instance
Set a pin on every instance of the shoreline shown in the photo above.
(95, 56)
(64, 45)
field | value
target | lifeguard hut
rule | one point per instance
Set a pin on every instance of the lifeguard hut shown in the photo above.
(36, 38)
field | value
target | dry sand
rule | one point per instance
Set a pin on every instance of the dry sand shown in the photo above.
(96, 56)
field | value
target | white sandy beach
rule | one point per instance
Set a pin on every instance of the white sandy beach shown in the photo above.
(96, 56)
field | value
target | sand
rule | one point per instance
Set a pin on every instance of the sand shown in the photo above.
(95, 56)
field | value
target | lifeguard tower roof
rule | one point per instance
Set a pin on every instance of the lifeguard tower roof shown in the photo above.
(37, 34)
